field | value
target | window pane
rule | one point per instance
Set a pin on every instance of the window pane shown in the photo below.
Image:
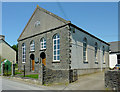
(54, 57)
(58, 52)
(84, 53)
(58, 36)
(58, 41)
(58, 57)
(44, 46)
(54, 52)
(84, 58)
(55, 47)
(54, 41)
(58, 46)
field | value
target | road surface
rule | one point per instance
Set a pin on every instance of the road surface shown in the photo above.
(87, 82)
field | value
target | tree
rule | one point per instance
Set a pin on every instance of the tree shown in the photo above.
(15, 47)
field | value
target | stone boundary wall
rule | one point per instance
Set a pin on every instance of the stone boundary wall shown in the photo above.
(59, 76)
(55, 76)
(112, 79)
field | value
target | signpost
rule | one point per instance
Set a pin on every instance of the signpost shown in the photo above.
(24, 70)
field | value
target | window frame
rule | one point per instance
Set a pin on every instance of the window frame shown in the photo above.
(85, 50)
(32, 45)
(42, 43)
(23, 53)
(103, 54)
(56, 47)
(96, 52)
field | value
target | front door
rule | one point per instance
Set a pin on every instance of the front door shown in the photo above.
(33, 62)
(33, 65)
(43, 56)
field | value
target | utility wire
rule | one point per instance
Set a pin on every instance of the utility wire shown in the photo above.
(62, 10)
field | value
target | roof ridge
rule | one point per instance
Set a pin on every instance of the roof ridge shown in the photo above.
(52, 14)
(44, 10)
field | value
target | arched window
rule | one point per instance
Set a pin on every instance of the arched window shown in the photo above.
(96, 50)
(103, 54)
(23, 53)
(32, 46)
(43, 43)
(56, 47)
(84, 50)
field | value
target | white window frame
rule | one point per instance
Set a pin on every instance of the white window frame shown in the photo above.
(32, 46)
(43, 43)
(96, 52)
(57, 50)
(23, 53)
(103, 54)
(85, 51)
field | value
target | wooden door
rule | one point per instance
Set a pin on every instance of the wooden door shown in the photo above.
(33, 65)
(44, 61)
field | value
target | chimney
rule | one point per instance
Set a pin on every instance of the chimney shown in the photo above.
(2, 37)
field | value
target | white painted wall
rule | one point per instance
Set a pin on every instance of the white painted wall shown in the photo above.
(77, 52)
(113, 60)
(7, 52)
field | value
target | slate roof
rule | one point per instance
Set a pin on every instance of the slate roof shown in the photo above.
(114, 46)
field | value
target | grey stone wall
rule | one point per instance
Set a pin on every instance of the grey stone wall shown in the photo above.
(55, 76)
(112, 79)
(64, 50)
(47, 22)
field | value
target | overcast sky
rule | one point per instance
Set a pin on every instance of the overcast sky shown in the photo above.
(99, 19)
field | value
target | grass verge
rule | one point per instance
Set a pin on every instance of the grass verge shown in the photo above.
(34, 76)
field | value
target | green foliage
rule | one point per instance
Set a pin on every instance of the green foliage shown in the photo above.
(7, 74)
(34, 76)
(16, 65)
(15, 47)
(17, 72)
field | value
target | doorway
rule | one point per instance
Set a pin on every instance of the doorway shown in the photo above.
(43, 56)
(118, 59)
(32, 57)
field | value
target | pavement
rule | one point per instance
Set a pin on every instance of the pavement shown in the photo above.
(88, 82)
(85, 82)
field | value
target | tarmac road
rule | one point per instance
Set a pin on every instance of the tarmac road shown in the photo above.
(88, 82)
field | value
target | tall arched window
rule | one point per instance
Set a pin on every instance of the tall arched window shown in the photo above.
(56, 47)
(96, 50)
(43, 43)
(23, 53)
(32, 46)
(103, 54)
(84, 50)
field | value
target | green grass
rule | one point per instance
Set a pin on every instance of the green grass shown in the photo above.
(7, 74)
(16, 72)
(34, 76)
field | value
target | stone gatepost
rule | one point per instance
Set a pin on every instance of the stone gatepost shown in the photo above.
(2, 70)
(40, 77)
(13, 69)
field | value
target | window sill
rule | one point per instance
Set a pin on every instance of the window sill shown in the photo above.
(23, 62)
(42, 49)
(56, 61)
(96, 62)
(32, 51)
(85, 62)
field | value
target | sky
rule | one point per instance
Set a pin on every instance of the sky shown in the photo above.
(98, 18)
